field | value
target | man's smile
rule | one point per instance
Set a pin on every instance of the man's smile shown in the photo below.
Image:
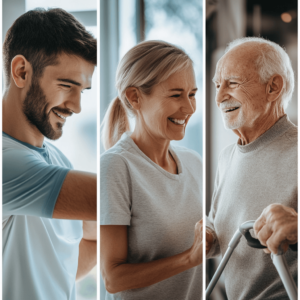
(59, 115)
(230, 109)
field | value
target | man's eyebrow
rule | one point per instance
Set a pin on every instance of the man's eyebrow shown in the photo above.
(69, 81)
(181, 90)
(232, 77)
(72, 82)
(215, 80)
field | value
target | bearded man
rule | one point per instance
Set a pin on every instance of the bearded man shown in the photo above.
(49, 59)
(257, 176)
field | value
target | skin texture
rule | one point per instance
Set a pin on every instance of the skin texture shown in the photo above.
(58, 89)
(87, 249)
(152, 134)
(238, 85)
(277, 227)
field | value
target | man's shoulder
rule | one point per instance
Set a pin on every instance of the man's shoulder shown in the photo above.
(13, 151)
(292, 134)
(58, 155)
(227, 151)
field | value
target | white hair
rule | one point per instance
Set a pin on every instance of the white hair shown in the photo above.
(272, 60)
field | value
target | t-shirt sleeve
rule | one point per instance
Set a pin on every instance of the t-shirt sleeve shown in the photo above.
(30, 185)
(115, 199)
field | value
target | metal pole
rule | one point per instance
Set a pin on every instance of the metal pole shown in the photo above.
(287, 279)
(231, 246)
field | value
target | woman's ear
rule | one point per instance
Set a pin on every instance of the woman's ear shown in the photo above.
(133, 97)
(20, 69)
(274, 87)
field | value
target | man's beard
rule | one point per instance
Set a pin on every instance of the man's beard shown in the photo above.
(229, 122)
(35, 109)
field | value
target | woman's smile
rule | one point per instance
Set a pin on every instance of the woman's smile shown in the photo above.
(180, 122)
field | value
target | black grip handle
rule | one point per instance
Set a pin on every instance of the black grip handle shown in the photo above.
(294, 247)
(252, 242)
(255, 243)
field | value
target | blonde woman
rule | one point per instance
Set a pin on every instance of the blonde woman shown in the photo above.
(151, 204)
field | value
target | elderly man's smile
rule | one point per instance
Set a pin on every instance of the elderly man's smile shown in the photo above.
(228, 110)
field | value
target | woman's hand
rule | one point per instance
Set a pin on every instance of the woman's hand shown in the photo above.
(196, 251)
(119, 275)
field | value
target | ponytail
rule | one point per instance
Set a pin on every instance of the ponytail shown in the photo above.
(115, 123)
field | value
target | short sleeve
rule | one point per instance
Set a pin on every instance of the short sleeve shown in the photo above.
(30, 185)
(115, 189)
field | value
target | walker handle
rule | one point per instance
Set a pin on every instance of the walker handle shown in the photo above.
(252, 242)
(255, 243)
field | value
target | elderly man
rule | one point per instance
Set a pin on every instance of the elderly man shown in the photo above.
(254, 81)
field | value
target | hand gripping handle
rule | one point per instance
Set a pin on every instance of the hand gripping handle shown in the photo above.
(255, 243)
(252, 242)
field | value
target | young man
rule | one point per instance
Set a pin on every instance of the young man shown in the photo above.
(49, 59)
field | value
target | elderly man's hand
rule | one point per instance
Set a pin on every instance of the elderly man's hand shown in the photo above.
(277, 226)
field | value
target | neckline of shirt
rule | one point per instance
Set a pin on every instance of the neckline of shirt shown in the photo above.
(39, 149)
(280, 127)
(126, 137)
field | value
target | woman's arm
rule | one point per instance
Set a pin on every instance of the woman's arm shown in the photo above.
(119, 275)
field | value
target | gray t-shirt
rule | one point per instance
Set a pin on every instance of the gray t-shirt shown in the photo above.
(249, 178)
(160, 209)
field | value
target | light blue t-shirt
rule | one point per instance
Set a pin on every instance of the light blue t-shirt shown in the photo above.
(40, 254)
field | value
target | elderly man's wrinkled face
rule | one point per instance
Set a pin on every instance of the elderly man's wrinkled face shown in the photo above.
(240, 95)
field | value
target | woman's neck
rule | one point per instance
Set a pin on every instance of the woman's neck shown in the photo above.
(156, 149)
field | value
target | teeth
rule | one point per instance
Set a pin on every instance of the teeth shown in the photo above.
(64, 118)
(177, 121)
(231, 109)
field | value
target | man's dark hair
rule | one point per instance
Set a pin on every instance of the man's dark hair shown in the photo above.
(41, 35)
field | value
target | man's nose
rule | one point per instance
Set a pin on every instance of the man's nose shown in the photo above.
(222, 94)
(74, 104)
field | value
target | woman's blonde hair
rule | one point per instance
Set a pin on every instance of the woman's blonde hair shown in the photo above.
(144, 66)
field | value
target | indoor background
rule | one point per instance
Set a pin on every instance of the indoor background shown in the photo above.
(124, 23)
(226, 21)
(79, 136)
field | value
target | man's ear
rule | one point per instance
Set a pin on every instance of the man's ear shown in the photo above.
(20, 69)
(134, 97)
(274, 87)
